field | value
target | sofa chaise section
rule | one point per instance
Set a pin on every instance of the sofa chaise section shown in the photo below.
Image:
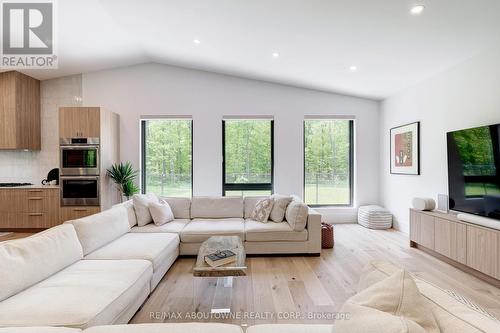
(87, 293)
(46, 283)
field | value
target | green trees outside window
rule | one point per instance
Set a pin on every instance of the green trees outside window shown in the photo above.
(328, 166)
(248, 157)
(167, 157)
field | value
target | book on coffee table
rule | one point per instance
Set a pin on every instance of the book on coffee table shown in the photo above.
(220, 258)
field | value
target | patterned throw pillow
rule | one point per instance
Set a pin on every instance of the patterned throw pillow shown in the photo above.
(262, 210)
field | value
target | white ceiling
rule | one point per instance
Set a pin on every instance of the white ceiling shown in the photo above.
(317, 39)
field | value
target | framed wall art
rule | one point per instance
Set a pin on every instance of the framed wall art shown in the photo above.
(405, 149)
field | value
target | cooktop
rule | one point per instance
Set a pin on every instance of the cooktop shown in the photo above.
(14, 184)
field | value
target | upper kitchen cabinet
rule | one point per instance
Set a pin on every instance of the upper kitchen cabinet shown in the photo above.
(19, 112)
(79, 122)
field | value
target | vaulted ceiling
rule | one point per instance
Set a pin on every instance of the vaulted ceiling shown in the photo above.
(317, 40)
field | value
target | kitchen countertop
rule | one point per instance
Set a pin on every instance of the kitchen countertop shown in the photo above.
(31, 187)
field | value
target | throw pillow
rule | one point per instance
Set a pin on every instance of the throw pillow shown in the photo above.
(262, 210)
(161, 212)
(393, 305)
(296, 215)
(279, 208)
(141, 206)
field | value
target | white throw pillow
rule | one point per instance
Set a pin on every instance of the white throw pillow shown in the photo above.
(262, 210)
(141, 206)
(161, 212)
(296, 215)
(281, 202)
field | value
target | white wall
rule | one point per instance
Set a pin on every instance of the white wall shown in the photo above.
(33, 166)
(155, 89)
(468, 95)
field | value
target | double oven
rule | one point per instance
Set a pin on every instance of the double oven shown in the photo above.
(79, 178)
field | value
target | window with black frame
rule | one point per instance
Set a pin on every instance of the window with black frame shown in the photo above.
(247, 167)
(167, 156)
(328, 162)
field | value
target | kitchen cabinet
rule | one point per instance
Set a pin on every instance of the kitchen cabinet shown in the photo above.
(79, 122)
(29, 208)
(94, 122)
(76, 212)
(19, 112)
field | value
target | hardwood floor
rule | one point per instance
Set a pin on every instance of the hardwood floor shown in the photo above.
(308, 285)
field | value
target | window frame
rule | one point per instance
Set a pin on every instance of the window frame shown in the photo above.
(249, 186)
(351, 161)
(143, 148)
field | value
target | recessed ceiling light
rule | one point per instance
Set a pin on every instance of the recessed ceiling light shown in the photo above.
(353, 68)
(417, 9)
(196, 41)
(276, 54)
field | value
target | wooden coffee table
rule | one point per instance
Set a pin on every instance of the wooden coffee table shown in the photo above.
(222, 277)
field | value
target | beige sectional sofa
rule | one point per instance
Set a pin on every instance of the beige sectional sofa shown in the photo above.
(100, 269)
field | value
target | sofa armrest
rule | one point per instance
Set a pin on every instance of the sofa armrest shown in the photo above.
(314, 231)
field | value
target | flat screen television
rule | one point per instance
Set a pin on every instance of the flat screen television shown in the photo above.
(474, 170)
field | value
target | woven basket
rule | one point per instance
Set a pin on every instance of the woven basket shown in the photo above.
(326, 235)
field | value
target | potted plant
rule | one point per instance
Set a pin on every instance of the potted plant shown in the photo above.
(123, 174)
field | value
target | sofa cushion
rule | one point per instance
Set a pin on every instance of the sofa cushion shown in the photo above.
(168, 328)
(27, 261)
(272, 232)
(181, 207)
(199, 230)
(161, 212)
(249, 204)
(87, 293)
(141, 206)
(39, 329)
(290, 328)
(175, 226)
(453, 313)
(281, 202)
(147, 246)
(129, 206)
(393, 305)
(296, 215)
(97, 230)
(216, 207)
(262, 210)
